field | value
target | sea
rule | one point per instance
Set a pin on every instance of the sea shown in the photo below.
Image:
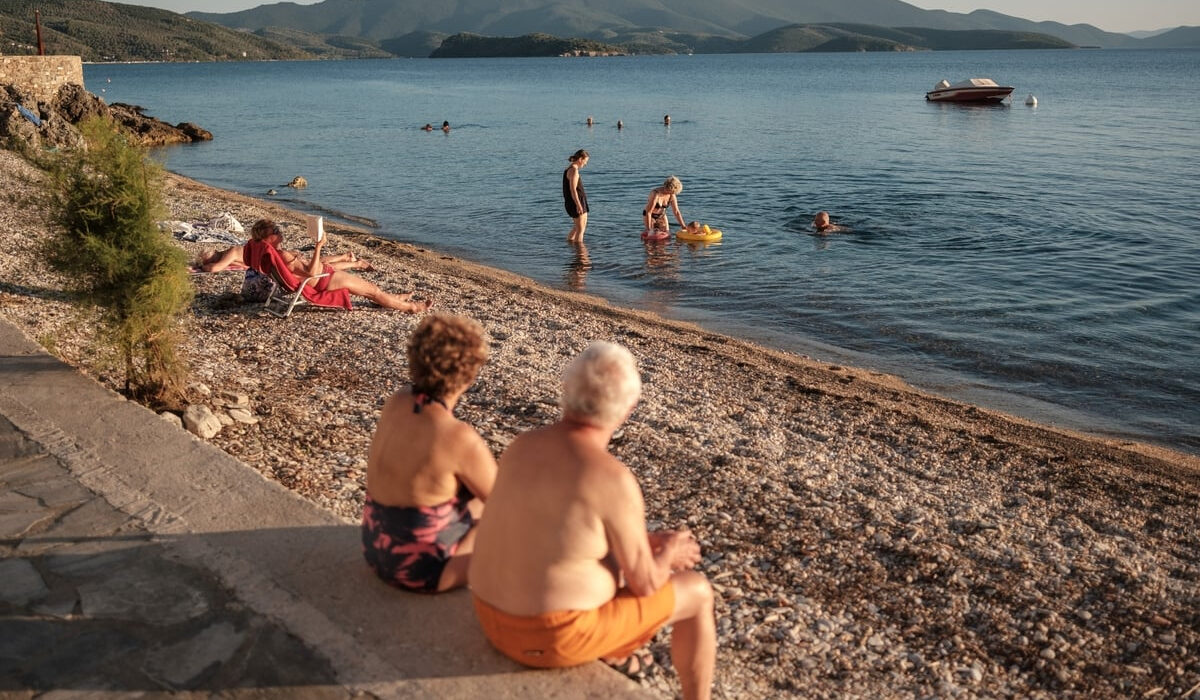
(1043, 261)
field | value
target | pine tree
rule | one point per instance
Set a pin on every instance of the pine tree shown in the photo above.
(104, 206)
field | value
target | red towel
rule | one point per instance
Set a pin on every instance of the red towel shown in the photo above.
(263, 258)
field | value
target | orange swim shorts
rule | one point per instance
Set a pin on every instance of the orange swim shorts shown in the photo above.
(572, 637)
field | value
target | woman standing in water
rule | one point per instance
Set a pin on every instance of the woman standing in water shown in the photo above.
(574, 198)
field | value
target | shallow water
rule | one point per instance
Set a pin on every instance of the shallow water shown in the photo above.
(1043, 261)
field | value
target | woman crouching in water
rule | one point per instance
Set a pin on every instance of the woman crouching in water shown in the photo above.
(654, 216)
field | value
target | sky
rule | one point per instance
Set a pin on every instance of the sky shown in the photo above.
(1110, 15)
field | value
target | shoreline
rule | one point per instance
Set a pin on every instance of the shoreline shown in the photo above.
(1021, 408)
(865, 537)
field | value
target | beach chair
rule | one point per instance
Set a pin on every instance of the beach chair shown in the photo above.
(287, 289)
(283, 298)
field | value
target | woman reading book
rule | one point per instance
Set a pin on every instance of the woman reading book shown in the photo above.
(267, 233)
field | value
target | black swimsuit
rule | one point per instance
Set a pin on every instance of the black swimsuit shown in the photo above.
(659, 213)
(569, 201)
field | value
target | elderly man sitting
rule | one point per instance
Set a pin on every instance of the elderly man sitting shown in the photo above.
(565, 522)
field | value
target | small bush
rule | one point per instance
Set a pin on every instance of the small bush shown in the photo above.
(104, 205)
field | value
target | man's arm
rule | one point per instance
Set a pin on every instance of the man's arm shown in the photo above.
(646, 569)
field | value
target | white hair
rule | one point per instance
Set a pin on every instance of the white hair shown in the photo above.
(600, 385)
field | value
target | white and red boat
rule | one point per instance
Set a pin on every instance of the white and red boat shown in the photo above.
(970, 90)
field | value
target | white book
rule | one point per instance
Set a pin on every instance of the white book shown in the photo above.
(316, 227)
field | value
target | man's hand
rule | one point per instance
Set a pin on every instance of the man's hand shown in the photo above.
(678, 547)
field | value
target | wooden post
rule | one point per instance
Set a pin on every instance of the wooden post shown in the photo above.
(37, 19)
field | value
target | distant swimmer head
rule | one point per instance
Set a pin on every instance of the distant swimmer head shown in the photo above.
(667, 119)
(672, 185)
(589, 120)
(445, 126)
(427, 127)
(620, 124)
(821, 221)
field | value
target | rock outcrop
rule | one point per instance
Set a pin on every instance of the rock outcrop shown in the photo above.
(53, 124)
(155, 132)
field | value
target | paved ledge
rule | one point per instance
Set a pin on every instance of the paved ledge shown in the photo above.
(135, 557)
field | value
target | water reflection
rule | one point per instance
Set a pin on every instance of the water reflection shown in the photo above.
(577, 269)
(662, 261)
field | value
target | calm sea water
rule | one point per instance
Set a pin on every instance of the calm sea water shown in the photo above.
(1043, 261)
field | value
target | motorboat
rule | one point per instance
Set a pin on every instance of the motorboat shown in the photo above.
(970, 90)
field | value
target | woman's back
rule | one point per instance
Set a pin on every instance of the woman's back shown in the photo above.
(415, 455)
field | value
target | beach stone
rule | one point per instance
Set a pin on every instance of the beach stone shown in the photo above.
(199, 420)
(242, 415)
(233, 399)
(171, 418)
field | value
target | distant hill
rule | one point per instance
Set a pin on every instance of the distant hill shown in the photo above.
(1178, 38)
(604, 20)
(864, 37)
(102, 31)
(1146, 34)
(413, 44)
(475, 46)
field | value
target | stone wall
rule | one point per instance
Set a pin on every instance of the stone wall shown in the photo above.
(41, 76)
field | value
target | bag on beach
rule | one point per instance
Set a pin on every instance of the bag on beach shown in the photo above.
(255, 287)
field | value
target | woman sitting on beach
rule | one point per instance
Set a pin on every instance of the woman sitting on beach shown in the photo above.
(427, 472)
(265, 231)
(654, 216)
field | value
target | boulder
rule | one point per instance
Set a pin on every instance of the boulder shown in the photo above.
(15, 127)
(149, 131)
(194, 132)
(201, 421)
(75, 104)
(171, 418)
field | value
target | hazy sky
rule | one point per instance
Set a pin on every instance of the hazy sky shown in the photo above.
(1111, 15)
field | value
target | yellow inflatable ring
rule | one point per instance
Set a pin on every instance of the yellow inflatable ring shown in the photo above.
(712, 235)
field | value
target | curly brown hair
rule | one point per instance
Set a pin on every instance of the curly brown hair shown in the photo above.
(264, 229)
(445, 353)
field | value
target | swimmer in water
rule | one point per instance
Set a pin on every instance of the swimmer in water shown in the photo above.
(822, 224)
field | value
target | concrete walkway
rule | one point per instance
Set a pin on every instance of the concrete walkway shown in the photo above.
(136, 558)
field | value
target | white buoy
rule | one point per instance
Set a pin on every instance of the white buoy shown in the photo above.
(1031, 100)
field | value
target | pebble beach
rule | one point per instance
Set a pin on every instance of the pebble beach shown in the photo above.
(865, 539)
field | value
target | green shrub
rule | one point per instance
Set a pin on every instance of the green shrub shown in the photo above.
(104, 205)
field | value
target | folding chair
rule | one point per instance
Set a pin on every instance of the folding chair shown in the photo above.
(282, 299)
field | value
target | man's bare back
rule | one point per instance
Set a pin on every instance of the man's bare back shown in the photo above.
(546, 550)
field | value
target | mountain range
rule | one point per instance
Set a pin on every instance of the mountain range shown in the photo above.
(611, 20)
(104, 31)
